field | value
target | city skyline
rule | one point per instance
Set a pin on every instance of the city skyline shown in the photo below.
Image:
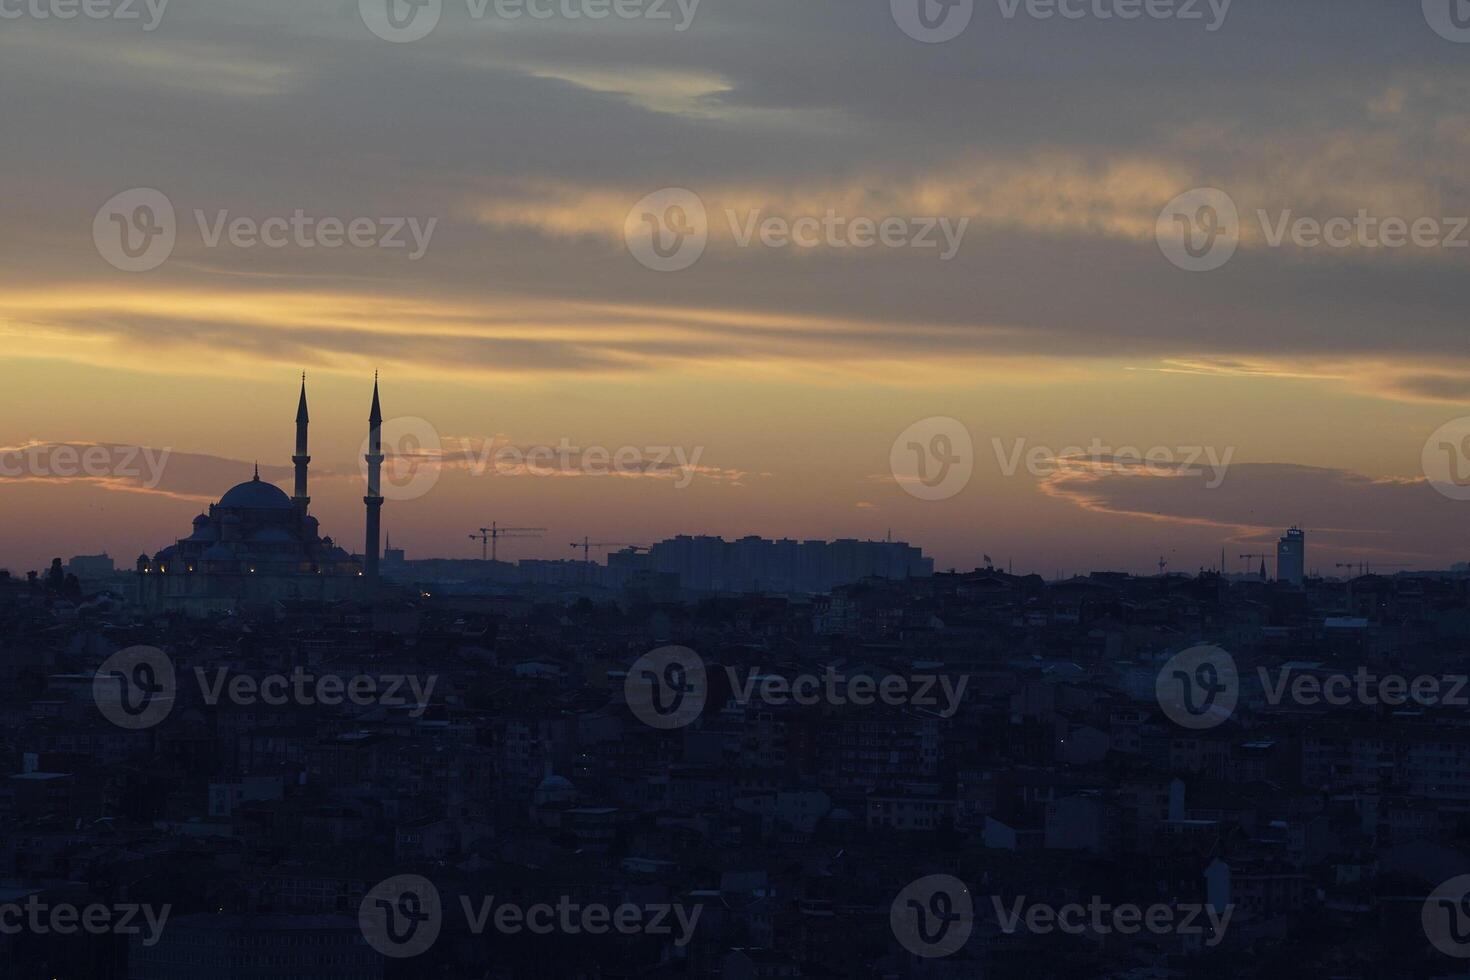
(422, 462)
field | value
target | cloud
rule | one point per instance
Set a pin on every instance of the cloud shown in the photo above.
(1349, 516)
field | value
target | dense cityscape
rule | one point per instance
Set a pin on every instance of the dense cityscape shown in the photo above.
(734, 490)
(722, 760)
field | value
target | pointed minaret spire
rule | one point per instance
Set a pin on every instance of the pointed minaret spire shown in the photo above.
(301, 459)
(301, 415)
(374, 498)
(257, 472)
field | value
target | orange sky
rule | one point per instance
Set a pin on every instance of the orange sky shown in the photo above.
(787, 370)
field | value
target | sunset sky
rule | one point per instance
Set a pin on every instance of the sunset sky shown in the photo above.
(1318, 372)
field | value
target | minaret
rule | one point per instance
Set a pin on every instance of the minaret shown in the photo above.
(374, 498)
(300, 497)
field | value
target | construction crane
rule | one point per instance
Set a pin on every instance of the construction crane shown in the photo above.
(1261, 556)
(488, 536)
(1366, 567)
(587, 546)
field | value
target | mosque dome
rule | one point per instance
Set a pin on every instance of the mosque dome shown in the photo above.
(256, 495)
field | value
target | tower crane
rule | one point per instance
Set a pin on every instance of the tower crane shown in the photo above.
(488, 536)
(1366, 567)
(587, 545)
(1261, 556)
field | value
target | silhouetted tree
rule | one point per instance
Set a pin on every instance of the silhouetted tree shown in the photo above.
(55, 578)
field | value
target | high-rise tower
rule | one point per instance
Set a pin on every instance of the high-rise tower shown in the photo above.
(301, 459)
(374, 498)
(1291, 556)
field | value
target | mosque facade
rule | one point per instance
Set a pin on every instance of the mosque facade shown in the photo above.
(257, 545)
